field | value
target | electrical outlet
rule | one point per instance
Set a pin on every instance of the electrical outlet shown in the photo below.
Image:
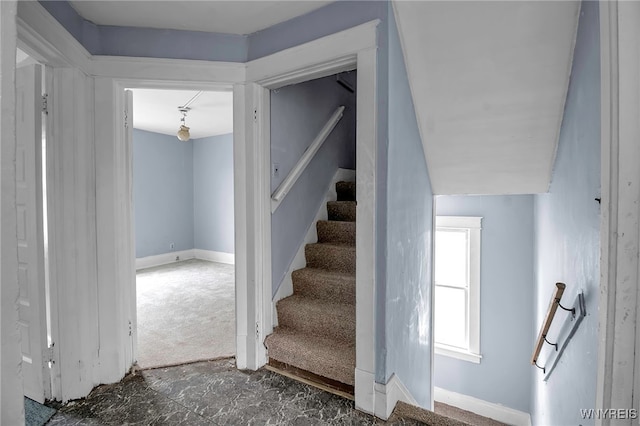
(275, 170)
(171, 245)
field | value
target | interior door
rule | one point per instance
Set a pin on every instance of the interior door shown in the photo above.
(32, 310)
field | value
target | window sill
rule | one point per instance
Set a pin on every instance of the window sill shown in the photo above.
(458, 353)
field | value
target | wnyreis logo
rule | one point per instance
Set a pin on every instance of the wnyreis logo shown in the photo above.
(609, 413)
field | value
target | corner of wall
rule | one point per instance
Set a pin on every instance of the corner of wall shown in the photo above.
(387, 396)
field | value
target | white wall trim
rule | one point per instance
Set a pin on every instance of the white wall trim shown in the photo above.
(483, 408)
(387, 396)
(293, 66)
(317, 58)
(215, 256)
(178, 256)
(11, 401)
(42, 36)
(366, 235)
(618, 340)
(164, 259)
(285, 289)
(163, 70)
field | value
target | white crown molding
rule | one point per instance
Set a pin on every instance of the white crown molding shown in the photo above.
(182, 70)
(482, 408)
(43, 37)
(335, 52)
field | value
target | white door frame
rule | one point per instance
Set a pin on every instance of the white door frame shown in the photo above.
(618, 378)
(346, 50)
(125, 240)
(11, 411)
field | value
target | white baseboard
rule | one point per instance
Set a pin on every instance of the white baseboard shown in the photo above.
(215, 256)
(483, 408)
(299, 261)
(365, 391)
(387, 396)
(164, 259)
(177, 256)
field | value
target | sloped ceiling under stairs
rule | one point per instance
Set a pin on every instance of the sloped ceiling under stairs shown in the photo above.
(489, 81)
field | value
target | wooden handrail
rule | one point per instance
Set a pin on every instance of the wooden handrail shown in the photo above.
(551, 312)
(286, 185)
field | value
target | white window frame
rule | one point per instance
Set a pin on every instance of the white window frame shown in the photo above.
(474, 226)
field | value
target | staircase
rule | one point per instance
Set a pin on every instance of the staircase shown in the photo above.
(316, 335)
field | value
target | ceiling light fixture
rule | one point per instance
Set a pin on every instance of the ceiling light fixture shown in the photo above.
(183, 133)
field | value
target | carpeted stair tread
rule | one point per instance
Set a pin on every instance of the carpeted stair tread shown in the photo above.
(328, 358)
(333, 231)
(318, 318)
(404, 410)
(333, 257)
(330, 286)
(346, 191)
(342, 210)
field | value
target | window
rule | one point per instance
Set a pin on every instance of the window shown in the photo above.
(457, 287)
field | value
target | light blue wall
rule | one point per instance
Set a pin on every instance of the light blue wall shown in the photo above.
(182, 193)
(213, 193)
(506, 308)
(330, 19)
(567, 236)
(297, 114)
(148, 42)
(176, 44)
(409, 239)
(162, 193)
(334, 17)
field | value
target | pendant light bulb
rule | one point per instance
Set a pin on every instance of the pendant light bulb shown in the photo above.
(183, 133)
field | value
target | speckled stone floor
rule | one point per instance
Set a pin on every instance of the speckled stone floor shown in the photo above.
(212, 393)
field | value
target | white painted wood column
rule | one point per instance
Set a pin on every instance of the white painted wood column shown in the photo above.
(366, 155)
(253, 224)
(11, 405)
(115, 235)
(618, 379)
(72, 236)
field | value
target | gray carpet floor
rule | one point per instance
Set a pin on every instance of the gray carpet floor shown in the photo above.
(186, 313)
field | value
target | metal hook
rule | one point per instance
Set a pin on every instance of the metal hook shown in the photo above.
(541, 368)
(552, 344)
(572, 310)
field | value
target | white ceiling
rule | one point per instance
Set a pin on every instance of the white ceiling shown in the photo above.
(489, 81)
(156, 111)
(232, 17)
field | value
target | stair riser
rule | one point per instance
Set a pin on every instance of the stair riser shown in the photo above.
(336, 232)
(316, 322)
(337, 366)
(327, 289)
(346, 191)
(343, 211)
(331, 258)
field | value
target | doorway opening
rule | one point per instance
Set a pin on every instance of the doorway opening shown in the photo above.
(182, 145)
(313, 230)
